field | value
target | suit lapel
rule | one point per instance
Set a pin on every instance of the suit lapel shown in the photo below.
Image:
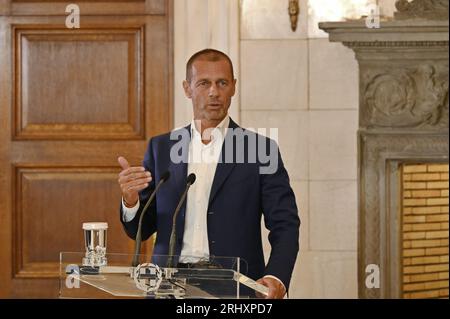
(223, 169)
(179, 170)
(179, 173)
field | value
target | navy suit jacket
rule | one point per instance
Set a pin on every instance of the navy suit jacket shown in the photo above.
(239, 197)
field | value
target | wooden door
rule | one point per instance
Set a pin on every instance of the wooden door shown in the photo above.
(71, 102)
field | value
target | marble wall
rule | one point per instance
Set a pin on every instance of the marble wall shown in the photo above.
(308, 88)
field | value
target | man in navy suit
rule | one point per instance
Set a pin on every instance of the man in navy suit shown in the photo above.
(237, 183)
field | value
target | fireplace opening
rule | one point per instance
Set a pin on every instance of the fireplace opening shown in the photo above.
(425, 233)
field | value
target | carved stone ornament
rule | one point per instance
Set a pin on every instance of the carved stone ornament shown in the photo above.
(429, 9)
(407, 98)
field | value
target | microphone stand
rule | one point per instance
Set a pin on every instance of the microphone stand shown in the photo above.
(137, 249)
(173, 236)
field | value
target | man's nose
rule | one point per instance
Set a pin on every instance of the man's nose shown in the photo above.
(213, 90)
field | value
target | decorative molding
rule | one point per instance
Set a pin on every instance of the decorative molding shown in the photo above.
(403, 97)
(429, 9)
(390, 44)
(391, 32)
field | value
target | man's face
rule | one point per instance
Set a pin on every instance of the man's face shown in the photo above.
(211, 88)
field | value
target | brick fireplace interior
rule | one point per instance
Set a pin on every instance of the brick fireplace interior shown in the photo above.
(425, 231)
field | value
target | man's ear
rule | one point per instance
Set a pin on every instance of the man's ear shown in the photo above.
(234, 87)
(187, 89)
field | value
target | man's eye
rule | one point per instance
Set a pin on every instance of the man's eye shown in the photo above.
(223, 83)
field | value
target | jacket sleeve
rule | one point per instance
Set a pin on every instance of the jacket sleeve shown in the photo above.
(281, 219)
(150, 218)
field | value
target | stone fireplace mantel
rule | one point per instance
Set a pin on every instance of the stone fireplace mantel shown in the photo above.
(403, 118)
(393, 31)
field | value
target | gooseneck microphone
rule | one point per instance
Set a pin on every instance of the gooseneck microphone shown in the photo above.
(137, 249)
(173, 237)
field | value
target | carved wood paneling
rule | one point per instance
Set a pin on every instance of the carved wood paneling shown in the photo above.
(78, 84)
(71, 173)
(50, 206)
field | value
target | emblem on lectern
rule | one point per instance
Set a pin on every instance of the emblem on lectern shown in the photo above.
(148, 277)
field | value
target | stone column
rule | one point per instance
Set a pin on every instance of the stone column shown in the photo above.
(403, 117)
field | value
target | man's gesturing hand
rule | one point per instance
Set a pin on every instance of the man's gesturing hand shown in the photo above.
(131, 181)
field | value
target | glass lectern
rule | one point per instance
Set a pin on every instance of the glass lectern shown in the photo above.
(114, 276)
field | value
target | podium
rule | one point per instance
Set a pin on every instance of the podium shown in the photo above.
(155, 277)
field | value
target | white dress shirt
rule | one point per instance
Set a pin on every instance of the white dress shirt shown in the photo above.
(203, 163)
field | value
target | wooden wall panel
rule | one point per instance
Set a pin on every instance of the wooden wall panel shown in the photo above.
(51, 205)
(61, 131)
(78, 84)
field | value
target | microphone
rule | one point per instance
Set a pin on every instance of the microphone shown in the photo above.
(164, 178)
(173, 236)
